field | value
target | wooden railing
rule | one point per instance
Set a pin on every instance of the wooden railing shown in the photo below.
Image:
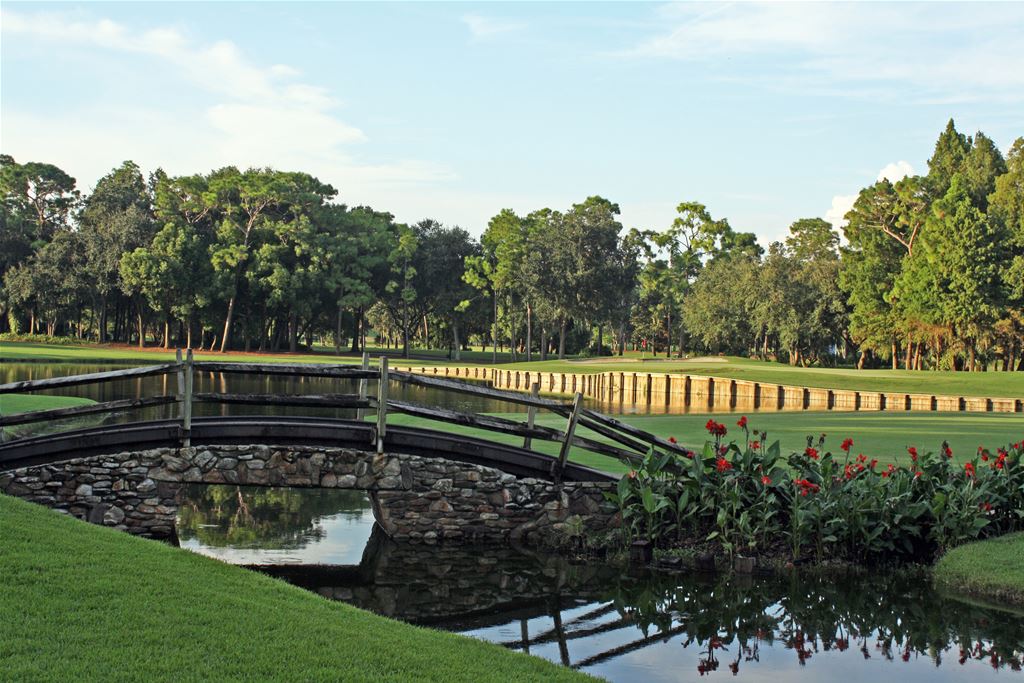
(613, 437)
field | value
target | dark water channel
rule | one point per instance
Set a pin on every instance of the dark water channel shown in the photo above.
(620, 625)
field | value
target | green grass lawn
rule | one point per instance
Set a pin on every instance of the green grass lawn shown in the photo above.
(120, 353)
(992, 569)
(86, 603)
(993, 384)
(21, 403)
(878, 435)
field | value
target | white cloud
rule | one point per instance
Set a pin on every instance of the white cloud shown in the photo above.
(247, 114)
(943, 50)
(481, 27)
(841, 204)
(895, 172)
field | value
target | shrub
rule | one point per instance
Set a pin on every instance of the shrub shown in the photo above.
(13, 337)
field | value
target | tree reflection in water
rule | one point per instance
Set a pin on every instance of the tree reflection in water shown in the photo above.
(228, 516)
(892, 616)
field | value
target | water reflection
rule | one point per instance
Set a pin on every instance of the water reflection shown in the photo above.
(255, 525)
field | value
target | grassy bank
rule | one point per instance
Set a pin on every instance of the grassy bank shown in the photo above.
(992, 570)
(81, 602)
(990, 384)
(21, 403)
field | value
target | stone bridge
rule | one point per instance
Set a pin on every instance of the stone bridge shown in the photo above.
(415, 497)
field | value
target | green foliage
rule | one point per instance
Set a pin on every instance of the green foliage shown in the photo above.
(931, 275)
(749, 499)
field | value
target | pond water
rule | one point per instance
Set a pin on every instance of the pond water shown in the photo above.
(619, 625)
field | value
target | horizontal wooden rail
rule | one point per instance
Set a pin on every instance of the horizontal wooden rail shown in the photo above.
(308, 400)
(289, 369)
(487, 422)
(476, 390)
(610, 433)
(633, 431)
(90, 378)
(89, 409)
(503, 425)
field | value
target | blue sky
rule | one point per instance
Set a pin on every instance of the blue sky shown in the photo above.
(764, 112)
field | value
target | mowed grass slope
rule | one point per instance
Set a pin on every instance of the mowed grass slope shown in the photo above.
(992, 569)
(84, 603)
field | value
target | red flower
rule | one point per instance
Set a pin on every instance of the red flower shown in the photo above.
(984, 457)
(805, 486)
(811, 453)
(766, 480)
(913, 453)
(917, 475)
(986, 507)
(722, 465)
(715, 428)
(742, 424)
(885, 474)
(847, 444)
(672, 439)
(755, 445)
(947, 451)
(969, 469)
(874, 462)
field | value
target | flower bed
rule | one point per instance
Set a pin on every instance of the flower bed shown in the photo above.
(751, 500)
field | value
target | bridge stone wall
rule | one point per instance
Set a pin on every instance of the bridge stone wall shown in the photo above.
(417, 499)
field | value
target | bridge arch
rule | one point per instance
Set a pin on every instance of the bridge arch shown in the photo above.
(450, 490)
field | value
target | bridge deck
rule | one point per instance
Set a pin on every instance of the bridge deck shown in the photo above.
(286, 431)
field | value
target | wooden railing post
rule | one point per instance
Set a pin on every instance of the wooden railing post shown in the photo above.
(382, 404)
(531, 413)
(181, 391)
(361, 412)
(570, 429)
(186, 405)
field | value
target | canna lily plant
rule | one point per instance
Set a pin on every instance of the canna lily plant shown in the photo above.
(747, 498)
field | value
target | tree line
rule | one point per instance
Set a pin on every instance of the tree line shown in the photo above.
(930, 274)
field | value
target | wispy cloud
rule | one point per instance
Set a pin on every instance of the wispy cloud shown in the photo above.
(482, 27)
(251, 114)
(943, 51)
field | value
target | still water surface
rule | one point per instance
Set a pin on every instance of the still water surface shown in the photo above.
(623, 626)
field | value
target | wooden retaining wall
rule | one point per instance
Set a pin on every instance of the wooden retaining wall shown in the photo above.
(678, 393)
